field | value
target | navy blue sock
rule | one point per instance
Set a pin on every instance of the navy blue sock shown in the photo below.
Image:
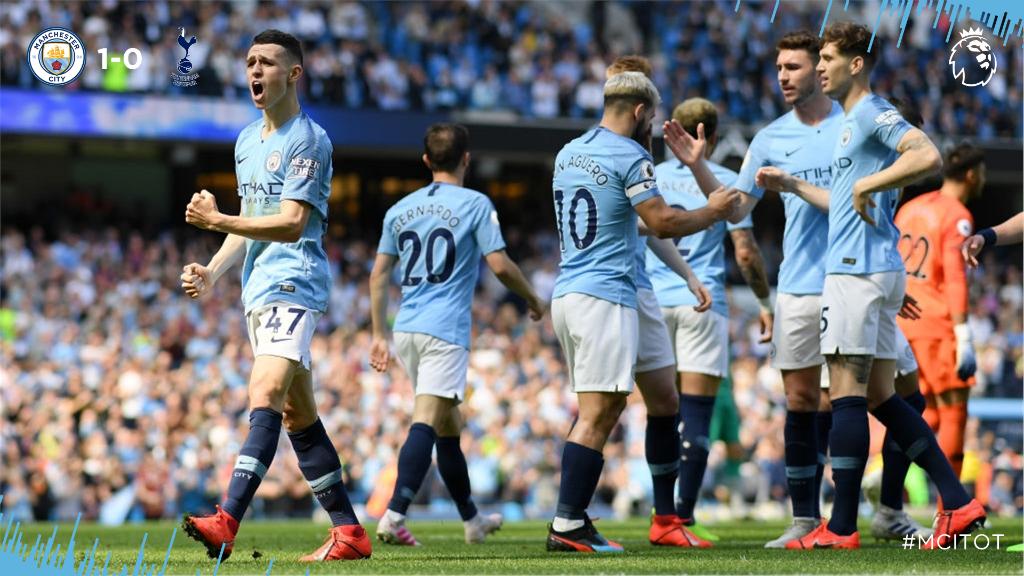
(581, 469)
(695, 419)
(895, 463)
(824, 428)
(413, 464)
(451, 463)
(918, 442)
(801, 438)
(661, 446)
(321, 466)
(848, 442)
(253, 460)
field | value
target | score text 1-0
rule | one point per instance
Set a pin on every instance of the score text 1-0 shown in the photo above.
(131, 58)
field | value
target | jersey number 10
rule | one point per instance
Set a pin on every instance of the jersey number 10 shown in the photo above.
(590, 234)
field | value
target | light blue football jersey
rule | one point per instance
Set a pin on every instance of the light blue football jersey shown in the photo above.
(599, 178)
(867, 144)
(292, 163)
(805, 152)
(704, 251)
(439, 233)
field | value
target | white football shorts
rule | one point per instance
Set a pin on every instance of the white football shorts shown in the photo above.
(858, 314)
(599, 340)
(282, 329)
(796, 335)
(700, 339)
(655, 346)
(436, 367)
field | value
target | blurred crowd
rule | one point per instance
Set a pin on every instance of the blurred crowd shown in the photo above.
(533, 59)
(122, 399)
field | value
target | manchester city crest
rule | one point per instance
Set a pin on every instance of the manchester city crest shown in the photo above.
(56, 56)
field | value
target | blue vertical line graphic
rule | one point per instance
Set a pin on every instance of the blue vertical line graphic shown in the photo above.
(774, 11)
(878, 20)
(903, 22)
(824, 20)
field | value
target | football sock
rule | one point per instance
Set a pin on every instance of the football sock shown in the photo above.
(801, 446)
(253, 460)
(895, 463)
(321, 466)
(451, 463)
(661, 446)
(848, 444)
(413, 464)
(951, 434)
(824, 428)
(695, 420)
(581, 470)
(919, 444)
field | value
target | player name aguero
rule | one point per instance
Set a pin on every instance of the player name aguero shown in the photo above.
(437, 210)
(587, 165)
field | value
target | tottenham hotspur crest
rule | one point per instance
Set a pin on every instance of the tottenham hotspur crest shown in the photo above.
(971, 59)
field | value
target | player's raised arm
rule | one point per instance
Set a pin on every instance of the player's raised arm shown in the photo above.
(690, 151)
(380, 354)
(286, 226)
(668, 222)
(772, 178)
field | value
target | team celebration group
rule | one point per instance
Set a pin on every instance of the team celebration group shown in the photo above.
(877, 298)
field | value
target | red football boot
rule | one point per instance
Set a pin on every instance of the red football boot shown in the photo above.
(213, 531)
(951, 523)
(668, 530)
(343, 543)
(822, 537)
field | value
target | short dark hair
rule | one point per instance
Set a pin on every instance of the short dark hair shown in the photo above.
(445, 144)
(851, 40)
(801, 40)
(960, 159)
(909, 112)
(285, 40)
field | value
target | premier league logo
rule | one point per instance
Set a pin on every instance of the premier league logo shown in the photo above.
(184, 78)
(56, 56)
(971, 59)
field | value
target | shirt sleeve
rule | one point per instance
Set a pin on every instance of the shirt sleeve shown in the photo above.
(956, 230)
(886, 125)
(756, 158)
(387, 239)
(308, 164)
(639, 180)
(488, 230)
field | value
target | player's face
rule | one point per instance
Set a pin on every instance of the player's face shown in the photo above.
(644, 118)
(267, 68)
(797, 77)
(979, 182)
(834, 70)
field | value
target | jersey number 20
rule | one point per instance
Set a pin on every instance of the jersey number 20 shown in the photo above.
(437, 234)
(584, 196)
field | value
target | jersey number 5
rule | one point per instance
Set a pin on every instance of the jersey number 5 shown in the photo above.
(437, 234)
(584, 196)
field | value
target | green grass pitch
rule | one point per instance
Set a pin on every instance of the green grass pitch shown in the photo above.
(519, 549)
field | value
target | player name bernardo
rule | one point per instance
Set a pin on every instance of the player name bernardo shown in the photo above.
(438, 211)
(587, 165)
(959, 542)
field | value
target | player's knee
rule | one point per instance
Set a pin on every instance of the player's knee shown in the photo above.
(296, 420)
(803, 399)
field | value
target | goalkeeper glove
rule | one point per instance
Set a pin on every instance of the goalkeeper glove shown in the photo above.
(966, 364)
